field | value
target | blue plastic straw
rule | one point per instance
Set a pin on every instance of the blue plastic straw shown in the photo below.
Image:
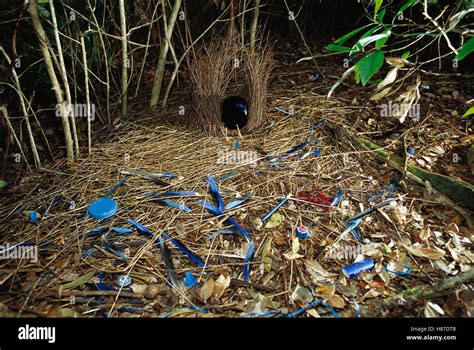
(276, 207)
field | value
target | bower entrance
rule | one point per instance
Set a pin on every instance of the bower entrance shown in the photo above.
(221, 71)
(235, 112)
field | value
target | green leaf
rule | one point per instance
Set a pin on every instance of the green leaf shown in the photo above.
(378, 3)
(466, 49)
(42, 11)
(79, 281)
(368, 33)
(468, 112)
(405, 6)
(3, 183)
(338, 48)
(377, 37)
(347, 36)
(405, 55)
(380, 16)
(369, 65)
(357, 74)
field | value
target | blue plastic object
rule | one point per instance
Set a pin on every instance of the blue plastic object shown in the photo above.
(123, 281)
(189, 280)
(302, 232)
(102, 208)
(33, 216)
(354, 269)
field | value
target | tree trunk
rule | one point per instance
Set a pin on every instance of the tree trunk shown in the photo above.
(125, 64)
(44, 43)
(253, 28)
(160, 68)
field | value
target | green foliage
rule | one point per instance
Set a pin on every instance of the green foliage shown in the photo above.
(466, 50)
(373, 45)
(368, 66)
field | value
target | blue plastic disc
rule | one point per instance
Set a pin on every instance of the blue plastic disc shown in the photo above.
(123, 281)
(102, 208)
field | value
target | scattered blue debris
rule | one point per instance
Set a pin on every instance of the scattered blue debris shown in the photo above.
(357, 307)
(225, 177)
(218, 212)
(175, 242)
(89, 252)
(102, 208)
(337, 198)
(302, 232)
(123, 281)
(386, 192)
(276, 207)
(317, 125)
(406, 271)
(116, 187)
(175, 205)
(97, 231)
(355, 269)
(237, 202)
(190, 280)
(33, 217)
(215, 193)
(121, 230)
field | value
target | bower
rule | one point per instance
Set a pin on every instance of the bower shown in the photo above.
(223, 68)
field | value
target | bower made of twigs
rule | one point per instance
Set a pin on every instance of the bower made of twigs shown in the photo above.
(224, 68)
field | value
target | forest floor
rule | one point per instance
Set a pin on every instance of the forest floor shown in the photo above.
(415, 242)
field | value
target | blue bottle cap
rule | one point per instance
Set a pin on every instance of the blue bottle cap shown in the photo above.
(102, 208)
(123, 281)
(411, 151)
(302, 232)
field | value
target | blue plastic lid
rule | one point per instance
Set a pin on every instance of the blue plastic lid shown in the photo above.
(102, 208)
(123, 281)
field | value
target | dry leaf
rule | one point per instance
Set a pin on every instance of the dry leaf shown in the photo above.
(266, 259)
(295, 247)
(370, 294)
(301, 295)
(433, 310)
(423, 252)
(425, 233)
(221, 285)
(275, 220)
(380, 94)
(336, 301)
(399, 214)
(390, 78)
(207, 289)
(326, 291)
(313, 313)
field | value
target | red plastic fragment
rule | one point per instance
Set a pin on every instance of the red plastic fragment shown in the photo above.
(320, 199)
